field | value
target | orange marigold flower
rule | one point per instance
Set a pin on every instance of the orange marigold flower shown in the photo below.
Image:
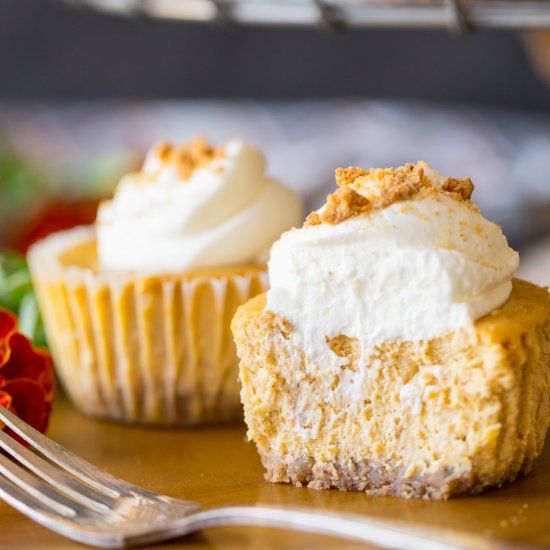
(27, 383)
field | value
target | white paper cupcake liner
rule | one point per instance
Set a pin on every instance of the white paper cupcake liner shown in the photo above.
(142, 349)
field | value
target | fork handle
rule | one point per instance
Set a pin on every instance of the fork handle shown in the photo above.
(385, 534)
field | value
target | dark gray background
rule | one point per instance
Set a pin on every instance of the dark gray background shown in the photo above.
(51, 50)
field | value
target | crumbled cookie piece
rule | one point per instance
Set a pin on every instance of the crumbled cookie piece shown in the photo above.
(361, 190)
(343, 204)
(405, 182)
(460, 186)
(313, 219)
(187, 157)
(195, 154)
(163, 151)
(384, 186)
(346, 176)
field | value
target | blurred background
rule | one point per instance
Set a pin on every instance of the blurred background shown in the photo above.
(86, 87)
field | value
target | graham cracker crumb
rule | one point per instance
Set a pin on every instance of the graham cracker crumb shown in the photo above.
(163, 151)
(189, 156)
(313, 219)
(361, 190)
(461, 186)
(343, 204)
(405, 182)
(346, 176)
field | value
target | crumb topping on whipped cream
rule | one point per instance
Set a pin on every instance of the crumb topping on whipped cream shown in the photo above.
(194, 206)
(393, 254)
(184, 158)
(362, 191)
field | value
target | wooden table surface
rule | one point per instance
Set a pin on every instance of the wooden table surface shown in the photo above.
(216, 466)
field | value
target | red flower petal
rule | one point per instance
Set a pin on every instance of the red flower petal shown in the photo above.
(29, 402)
(8, 323)
(5, 399)
(27, 384)
(24, 360)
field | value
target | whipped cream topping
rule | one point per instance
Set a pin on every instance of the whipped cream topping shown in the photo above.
(194, 207)
(411, 270)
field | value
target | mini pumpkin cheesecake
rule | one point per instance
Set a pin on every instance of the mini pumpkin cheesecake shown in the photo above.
(394, 353)
(137, 308)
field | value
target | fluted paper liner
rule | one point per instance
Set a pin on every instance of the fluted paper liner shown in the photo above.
(137, 348)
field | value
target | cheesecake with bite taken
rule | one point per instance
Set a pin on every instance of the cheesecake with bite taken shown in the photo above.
(394, 353)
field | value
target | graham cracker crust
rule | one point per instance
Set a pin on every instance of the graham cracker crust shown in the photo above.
(378, 479)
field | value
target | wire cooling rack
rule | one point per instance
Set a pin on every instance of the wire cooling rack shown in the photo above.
(455, 15)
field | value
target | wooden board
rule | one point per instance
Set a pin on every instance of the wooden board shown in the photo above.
(216, 466)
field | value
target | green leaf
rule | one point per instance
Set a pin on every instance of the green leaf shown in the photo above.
(17, 295)
(28, 314)
(19, 183)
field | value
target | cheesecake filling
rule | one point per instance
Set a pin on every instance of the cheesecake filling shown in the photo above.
(193, 206)
(367, 366)
(391, 257)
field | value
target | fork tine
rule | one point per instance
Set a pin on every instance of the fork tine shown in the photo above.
(36, 510)
(23, 501)
(82, 470)
(38, 489)
(55, 476)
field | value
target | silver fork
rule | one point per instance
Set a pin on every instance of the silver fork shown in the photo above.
(77, 500)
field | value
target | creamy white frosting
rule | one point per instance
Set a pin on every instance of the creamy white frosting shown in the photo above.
(225, 213)
(411, 271)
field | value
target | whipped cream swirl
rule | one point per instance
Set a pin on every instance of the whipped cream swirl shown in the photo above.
(194, 207)
(412, 270)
